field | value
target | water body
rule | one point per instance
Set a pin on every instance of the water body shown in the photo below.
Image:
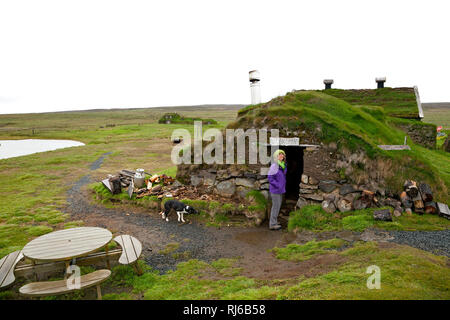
(17, 148)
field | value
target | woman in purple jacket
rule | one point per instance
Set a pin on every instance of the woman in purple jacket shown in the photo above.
(277, 186)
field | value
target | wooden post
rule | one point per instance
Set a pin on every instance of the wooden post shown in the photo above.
(137, 268)
(67, 263)
(107, 258)
(99, 292)
(34, 270)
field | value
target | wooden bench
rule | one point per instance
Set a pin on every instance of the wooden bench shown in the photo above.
(131, 251)
(51, 288)
(7, 266)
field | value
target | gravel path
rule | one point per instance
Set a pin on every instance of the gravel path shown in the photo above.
(437, 242)
(153, 232)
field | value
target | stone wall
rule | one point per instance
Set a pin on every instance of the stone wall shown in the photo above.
(420, 133)
(322, 163)
(342, 195)
(231, 181)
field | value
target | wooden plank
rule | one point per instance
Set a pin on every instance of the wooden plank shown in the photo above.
(7, 265)
(443, 208)
(137, 246)
(47, 288)
(107, 184)
(131, 247)
(394, 147)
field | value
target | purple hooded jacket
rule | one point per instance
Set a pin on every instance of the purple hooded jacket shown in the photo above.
(277, 178)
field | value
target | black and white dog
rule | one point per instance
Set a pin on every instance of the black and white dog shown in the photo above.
(179, 207)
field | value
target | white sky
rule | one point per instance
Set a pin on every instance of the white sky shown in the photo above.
(67, 55)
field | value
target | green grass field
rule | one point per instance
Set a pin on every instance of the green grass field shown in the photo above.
(33, 192)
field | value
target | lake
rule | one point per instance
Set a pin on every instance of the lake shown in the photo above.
(17, 148)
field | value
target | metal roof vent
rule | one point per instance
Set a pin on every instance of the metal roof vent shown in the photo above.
(328, 83)
(380, 82)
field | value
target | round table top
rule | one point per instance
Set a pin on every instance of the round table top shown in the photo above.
(67, 244)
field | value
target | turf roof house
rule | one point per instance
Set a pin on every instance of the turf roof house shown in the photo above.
(339, 133)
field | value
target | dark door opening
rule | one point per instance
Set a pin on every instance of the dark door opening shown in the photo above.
(294, 159)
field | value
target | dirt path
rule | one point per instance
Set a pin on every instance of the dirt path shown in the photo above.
(208, 243)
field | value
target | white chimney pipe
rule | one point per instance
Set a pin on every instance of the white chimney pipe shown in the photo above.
(254, 78)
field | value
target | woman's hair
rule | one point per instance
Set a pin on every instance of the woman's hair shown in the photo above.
(276, 153)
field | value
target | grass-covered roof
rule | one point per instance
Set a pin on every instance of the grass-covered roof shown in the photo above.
(396, 102)
(356, 126)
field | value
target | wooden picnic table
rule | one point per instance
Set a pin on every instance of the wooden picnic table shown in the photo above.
(64, 245)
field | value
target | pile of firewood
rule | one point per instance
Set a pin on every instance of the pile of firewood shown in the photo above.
(418, 198)
(154, 187)
(125, 179)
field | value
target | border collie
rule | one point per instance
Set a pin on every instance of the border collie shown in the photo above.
(179, 207)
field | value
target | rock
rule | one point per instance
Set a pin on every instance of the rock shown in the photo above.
(313, 181)
(264, 186)
(391, 203)
(233, 173)
(382, 215)
(177, 184)
(328, 206)
(222, 175)
(251, 175)
(306, 191)
(249, 183)
(351, 196)
(226, 187)
(258, 217)
(381, 192)
(346, 189)
(359, 204)
(242, 191)
(330, 197)
(344, 205)
(408, 211)
(315, 197)
(307, 186)
(327, 186)
(332, 146)
(209, 179)
(398, 212)
(301, 202)
(196, 180)
(265, 193)
(304, 179)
